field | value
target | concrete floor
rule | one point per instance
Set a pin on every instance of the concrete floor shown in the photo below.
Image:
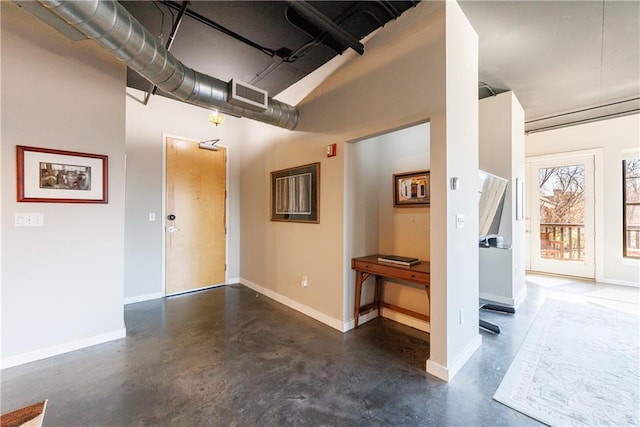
(228, 356)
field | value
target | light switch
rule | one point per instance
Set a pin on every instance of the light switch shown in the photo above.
(152, 216)
(29, 220)
(454, 183)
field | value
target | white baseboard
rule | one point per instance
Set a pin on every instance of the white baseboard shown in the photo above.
(512, 302)
(233, 280)
(437, 370)
(497, 298)
(620, 282)
(447, 374)
(362, 320)
(391, 315)
(520, 297)
(32, 356)
(315, 314)
(141, 298)
(421, 325)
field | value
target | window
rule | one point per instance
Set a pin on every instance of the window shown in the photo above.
(631, 207)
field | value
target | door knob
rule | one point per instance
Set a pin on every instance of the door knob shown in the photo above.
(172, 229)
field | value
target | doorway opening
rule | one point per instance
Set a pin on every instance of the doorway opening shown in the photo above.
(561, 215)
(194, 216)
(373, 225)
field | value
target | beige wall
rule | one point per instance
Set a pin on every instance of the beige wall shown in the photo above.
(341, 109)
(617, 138)
(404, 231)
(409, 74)
(62, 283)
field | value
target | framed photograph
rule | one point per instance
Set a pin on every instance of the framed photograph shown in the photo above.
(411, 189)
(56, 176)
(295, 194)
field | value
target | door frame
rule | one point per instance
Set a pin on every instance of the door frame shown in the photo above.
(598, 205)
(164, 212)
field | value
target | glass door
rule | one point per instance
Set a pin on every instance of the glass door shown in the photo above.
(561, 216)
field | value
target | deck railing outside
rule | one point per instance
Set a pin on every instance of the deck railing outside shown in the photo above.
(633, 240)
(564, 241)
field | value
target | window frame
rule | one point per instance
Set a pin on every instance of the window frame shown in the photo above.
(624, 208)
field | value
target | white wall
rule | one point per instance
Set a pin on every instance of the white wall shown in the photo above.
(62, 283)
(618, 138)
(362, 216)
(454, 307)
(502, 153)
(145, 126)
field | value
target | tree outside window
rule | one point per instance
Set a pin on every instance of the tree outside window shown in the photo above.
(562, 201)
(631, 207)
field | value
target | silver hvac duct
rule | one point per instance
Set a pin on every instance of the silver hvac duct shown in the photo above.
(111, 26)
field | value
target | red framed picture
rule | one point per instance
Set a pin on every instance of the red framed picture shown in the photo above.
(57, 176)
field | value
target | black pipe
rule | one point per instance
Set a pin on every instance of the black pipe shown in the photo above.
(323, 23)
(208, 22)
(385, 5)
(392, 7)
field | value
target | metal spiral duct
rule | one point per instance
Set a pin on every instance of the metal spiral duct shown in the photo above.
(111, 26)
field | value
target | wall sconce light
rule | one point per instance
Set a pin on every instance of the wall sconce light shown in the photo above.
(216, 117)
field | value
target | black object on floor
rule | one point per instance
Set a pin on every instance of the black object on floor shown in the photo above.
(489, 327)
(495, 329)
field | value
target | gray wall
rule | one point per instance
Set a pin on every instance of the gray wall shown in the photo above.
(146, 125)
(62, 283)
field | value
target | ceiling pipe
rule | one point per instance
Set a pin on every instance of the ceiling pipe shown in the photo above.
(172, 34)
(111, 26)
(323, 23)
(212, 24)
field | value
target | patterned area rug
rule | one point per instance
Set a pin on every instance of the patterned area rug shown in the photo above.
(578, 365)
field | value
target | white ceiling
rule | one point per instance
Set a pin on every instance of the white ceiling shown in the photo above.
(560, 56)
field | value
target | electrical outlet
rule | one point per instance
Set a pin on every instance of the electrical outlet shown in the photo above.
(304, 282)
(459, 220)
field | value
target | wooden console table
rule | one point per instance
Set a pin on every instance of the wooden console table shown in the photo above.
(369, 265)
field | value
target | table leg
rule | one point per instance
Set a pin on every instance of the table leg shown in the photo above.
(428, 301)
(378, 293)
(356, 316)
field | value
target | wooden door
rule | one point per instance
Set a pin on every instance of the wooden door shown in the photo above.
(195, 217)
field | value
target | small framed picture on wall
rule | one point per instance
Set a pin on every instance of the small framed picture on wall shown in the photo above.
(295, 194)
(411, 189)
(57, 176)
